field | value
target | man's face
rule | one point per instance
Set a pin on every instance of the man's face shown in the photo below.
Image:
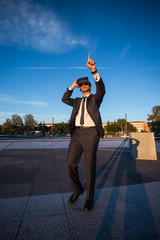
(85, 87)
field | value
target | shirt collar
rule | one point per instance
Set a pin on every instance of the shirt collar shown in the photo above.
(87, 95)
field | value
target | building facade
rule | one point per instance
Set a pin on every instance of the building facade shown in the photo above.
(141, 126)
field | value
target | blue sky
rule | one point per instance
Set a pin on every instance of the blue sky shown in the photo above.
(44, 47)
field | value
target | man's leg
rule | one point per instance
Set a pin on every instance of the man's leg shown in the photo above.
(90, 145)
(74, 154)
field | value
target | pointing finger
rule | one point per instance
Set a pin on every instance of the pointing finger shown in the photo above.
(88, 56)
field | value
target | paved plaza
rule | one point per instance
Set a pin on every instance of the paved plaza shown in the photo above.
(34, 190)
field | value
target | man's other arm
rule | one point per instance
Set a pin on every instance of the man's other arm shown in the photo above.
(67, 95)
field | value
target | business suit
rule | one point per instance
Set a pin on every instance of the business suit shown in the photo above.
(84, 140)
(93, 104)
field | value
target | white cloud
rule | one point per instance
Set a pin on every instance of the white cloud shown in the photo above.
(12, 99)
(3, 114)
(151, 68)
(124, 52)
(30, 24)
(52, 68)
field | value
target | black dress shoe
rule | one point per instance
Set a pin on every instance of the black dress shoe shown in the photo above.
(88, 205)
(73, 198)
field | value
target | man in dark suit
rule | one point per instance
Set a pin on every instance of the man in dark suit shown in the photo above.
(86, 128)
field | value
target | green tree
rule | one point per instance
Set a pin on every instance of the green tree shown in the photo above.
(131, 128)
(7, 127)
(60, 128)
(122, 125)
(155, 116)
(112, 129)
(17, 123)
(42, 127)
(29, 123)
(155, 120)
(118, 126)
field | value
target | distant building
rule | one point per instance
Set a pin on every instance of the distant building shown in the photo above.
(140, 125)
(48, 124)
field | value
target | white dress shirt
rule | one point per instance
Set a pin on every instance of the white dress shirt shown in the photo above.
(88, 122)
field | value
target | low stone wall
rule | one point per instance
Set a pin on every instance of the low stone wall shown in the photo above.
(142, 146)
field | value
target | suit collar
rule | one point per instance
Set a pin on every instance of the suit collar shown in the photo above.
(90, 96)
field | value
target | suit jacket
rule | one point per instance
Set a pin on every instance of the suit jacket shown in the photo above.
(93, 104)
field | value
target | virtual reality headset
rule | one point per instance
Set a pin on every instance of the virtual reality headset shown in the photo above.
(83, 80)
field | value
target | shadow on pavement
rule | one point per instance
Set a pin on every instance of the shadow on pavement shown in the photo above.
(133, 219)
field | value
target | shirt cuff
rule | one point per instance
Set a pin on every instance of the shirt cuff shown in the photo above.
(97, 77)
(70, 88)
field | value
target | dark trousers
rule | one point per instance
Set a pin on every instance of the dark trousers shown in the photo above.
(83, 140)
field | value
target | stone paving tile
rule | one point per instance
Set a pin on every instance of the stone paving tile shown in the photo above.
(108, 144)
(155, 187)
(9, 230)
(30, 163)
(44, 206)
(140, 178)
(61, 145)
(153, 205)
(46, 175)
(112, 197)
(23, 176)
(62, 174)
(4, 161)
(134, 221)
(4, 145)
(103, 182)
(30, 145)
(152, 175)
(48, 228)
(65, 186)
(7, 172)
(15, 190)
(122, 180)
(12, 209)
(1, 188)
(140, 192)
(93, 225)
(43, 188)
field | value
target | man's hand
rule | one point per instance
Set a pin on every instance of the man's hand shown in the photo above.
(91, 64)
(75, 84)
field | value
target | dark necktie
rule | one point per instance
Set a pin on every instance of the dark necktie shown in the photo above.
(82, 111)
